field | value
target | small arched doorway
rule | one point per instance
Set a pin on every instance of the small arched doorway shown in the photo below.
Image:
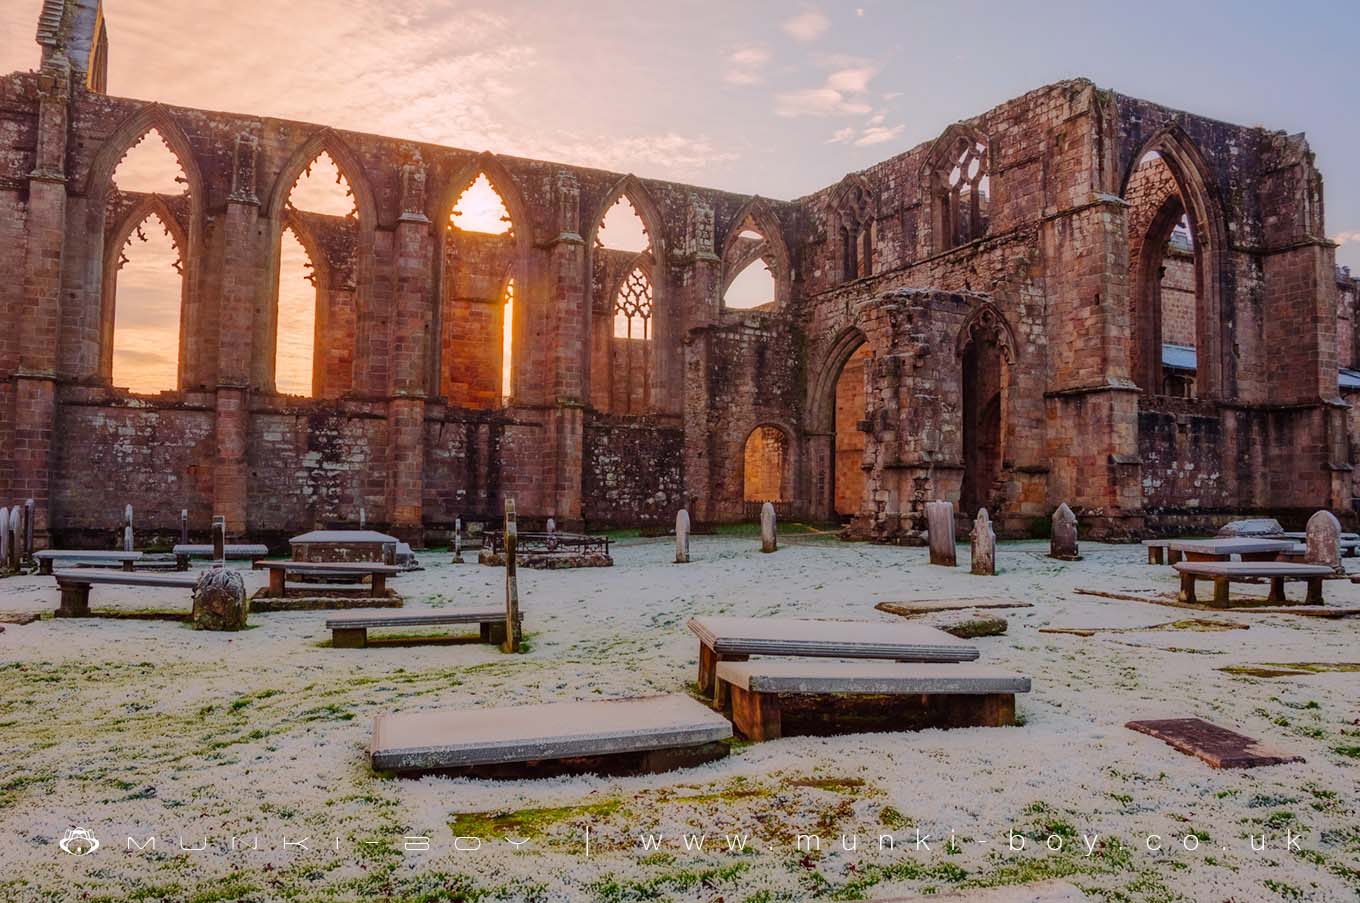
(985, 351)
(850, 439)
(767, 470)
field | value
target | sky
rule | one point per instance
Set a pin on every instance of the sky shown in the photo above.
(774, 98)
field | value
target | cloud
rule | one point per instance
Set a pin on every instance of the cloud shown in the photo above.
(878, 134)
(842, 135)
(853, 81)
(1346, 238)
(841, 95)
(807, 26)
(746, 66)
(668, 150)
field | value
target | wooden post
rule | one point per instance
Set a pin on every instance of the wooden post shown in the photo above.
(1187, 587)
(28, 529)
(512, 629)
(184, 526)
(1221, 590)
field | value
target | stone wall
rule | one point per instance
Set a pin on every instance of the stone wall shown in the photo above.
(633, 472)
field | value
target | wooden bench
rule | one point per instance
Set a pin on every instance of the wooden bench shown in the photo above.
(236, 552)
(357, 570)
(737, 639)
(47, 557)
(1158, 551)
(1249, 548)
(75, 586)
(646, 734)
(922, 695)
(352, 633)
(1223, 573)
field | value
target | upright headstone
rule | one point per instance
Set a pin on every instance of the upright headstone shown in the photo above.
(5, 555)
(128, 545)
(220, 601)
(184, 526)
(682, 537)
(219, 538)
(552, 533)
(511, 643)
(769, 534)
(1323, 539)
(363, 518)
(457, 540)
(1063, 544)
(940, 529)
(29, 513)
(15, 517)
(984, 545)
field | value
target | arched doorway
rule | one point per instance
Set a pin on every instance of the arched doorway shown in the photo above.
(985, 351)
(767, 469)
(850, 439)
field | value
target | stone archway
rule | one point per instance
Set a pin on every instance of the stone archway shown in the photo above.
(986, 353)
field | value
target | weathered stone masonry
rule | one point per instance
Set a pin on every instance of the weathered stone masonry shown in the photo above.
(1005, 279)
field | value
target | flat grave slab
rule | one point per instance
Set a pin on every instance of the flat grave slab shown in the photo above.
(830, 639)
(1292, 569)
(1229, 546)
(352, 632)
(124, 578)
(869, 677)
(1216, 745)
(232, 550)
(413, 742)
(47, 557)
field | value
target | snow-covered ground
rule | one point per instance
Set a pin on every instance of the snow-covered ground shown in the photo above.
(142, 728)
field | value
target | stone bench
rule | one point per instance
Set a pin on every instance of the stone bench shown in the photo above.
(47, 557)
(1158, 551)
(358, 570)
(646, 734)
(352, 633)
(1248, 548)
(75, 586)
(238, 551)
(922, 695)
(737, 639)
(1223, 573)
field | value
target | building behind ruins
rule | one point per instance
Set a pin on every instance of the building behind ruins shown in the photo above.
(1076, 296)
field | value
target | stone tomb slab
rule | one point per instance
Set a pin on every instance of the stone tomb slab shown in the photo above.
(1216, 745)
(645, 734)
(1224, 549)
(735, 639)
(352, 633)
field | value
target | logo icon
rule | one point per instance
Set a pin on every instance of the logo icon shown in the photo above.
(79, 842)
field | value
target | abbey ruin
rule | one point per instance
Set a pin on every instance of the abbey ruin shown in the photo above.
(1076, 296)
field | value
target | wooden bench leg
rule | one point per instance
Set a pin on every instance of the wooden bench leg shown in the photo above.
(181, 562)
(756, 715)
(379, 586)
(708, 667)
(722, 695)
(1188, 588)
(493, 632)
(1221, 585)
(128, 566)
(75, 601)
(1155, 554)
(1173, 556)
(349, 637)
(278, 582)
(1314, 596)
(998, 710)
(1276, 590)
(45, 566)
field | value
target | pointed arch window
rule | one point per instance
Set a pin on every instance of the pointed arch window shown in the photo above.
(147, 308)
(962, 192)
(855, 213)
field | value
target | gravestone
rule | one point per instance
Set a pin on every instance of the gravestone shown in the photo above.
(1063, 544)
(15, 516)
(940, 530)
(184, 526)
(984, 545)
(220, 601)
(769, 534)
(457, 540)
(512, 622)
(128, 545)
(363, 518)
(1323, 540)
(4, 542)
(219, 538)
(682, 537)
(28, 529)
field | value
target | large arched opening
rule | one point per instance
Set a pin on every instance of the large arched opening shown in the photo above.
(767, 470)
(985, 351)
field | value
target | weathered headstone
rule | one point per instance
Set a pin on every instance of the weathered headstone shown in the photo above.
(682, 537)
(1323, 540)
(363, 518)
(1063, 544)
(512, 623)
(184, 526)
(219, 538)
(457, 540)
(551, 528)
(984, 545)
(769, 533)
(5, 555)
(128, 545)
(220, 601)
(15, 516)
(29, 514)
(940, 529)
